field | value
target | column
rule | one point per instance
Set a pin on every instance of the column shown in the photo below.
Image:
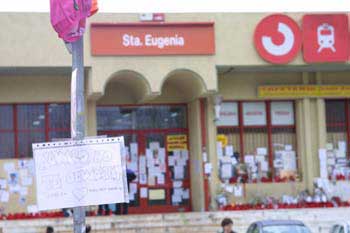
(212, 155)
(197, 174)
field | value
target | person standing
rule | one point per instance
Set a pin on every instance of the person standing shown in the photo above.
(103, 210)
(122, 208)
(49, 229)
(88, 229)
(227, 225)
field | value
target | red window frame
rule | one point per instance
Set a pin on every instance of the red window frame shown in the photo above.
(269, 131)
(141, 134)
(345, 125)
(47, 130)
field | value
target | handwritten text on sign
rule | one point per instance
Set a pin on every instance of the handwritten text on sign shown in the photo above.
(80, 173)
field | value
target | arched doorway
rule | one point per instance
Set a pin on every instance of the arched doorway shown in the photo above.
(157, 137)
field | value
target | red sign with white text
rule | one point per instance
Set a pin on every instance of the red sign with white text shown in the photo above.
(152, 39)
(277, 39)
(326, 38)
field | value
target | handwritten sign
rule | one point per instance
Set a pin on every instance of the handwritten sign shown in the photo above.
(80, 173)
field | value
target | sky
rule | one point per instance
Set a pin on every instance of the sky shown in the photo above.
(165, 6)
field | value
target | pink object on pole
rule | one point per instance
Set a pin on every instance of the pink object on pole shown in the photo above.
(68, 18)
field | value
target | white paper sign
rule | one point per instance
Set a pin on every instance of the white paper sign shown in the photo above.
(144, 192)
(228, 114)
(229, 150)
(254, 113)
(322, 155)
(289, 161)
(3, 183)
(80, 173)
(186, 194)
(5, 196)
(32, 209)
(226, 171)
(179, 172)
(282, 113)
(342, 146)
(208, 167)
(261, 151)
(177, 184)
(238, 190)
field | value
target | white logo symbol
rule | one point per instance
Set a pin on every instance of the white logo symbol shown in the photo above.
(285, 47)
(325, 37)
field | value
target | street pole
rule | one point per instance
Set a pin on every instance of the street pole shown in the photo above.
(78, 115)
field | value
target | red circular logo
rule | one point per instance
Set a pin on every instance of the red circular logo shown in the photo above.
(277, 39)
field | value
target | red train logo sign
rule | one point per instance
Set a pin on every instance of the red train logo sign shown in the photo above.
(325, 38)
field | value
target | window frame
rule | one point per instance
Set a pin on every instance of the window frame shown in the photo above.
(16, 131)
(269, 131)
(135, 106)
(345, 124)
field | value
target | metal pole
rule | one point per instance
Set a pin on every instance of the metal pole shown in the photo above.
(78, 115)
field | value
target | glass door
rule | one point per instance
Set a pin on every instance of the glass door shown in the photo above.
(156, 142)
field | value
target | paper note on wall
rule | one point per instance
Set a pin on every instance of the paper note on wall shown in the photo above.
(205, 157)
(177, 184)
(143, 178)
(186, 194)
(219, 150)
(14, 188)
(134, 148)
(156, 194)
(208, 167)
(154, 145)
(177, 142)
(238, 190)
(161, 179)
(171, 161)
(288, 147)
(342, 145)
(23, 191)
(229, 150)
(3, 183)
(5, 196)
(144, 192)
(80, 173)
(264, 166)
(176, 199)
(178, 191)
(151, 180)
(289, 161)
(9, 167)
(329, 146)
(131, 196)
(179, 172)
(32, 209)
(27, 181)
(322, 155)
(249, 159)
(260, 158)
(261, 151)
(226, 171)
(142, 164)
(229, 188)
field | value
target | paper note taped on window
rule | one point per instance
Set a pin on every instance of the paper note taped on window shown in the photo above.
(156, 194)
